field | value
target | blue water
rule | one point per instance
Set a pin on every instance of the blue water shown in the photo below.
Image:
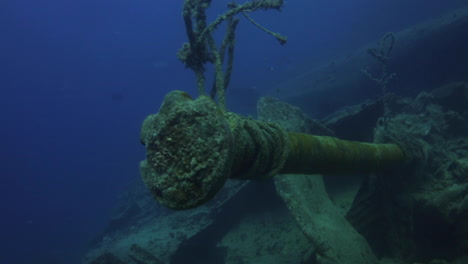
(78, 77)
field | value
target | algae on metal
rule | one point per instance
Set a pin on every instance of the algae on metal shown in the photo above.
(192, 148)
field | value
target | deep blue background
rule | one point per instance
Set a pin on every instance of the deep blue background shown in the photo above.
(78, 77)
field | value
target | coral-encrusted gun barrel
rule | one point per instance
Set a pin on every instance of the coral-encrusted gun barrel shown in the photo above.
(192, 148)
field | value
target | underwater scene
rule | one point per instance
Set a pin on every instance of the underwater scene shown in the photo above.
(234, 132)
